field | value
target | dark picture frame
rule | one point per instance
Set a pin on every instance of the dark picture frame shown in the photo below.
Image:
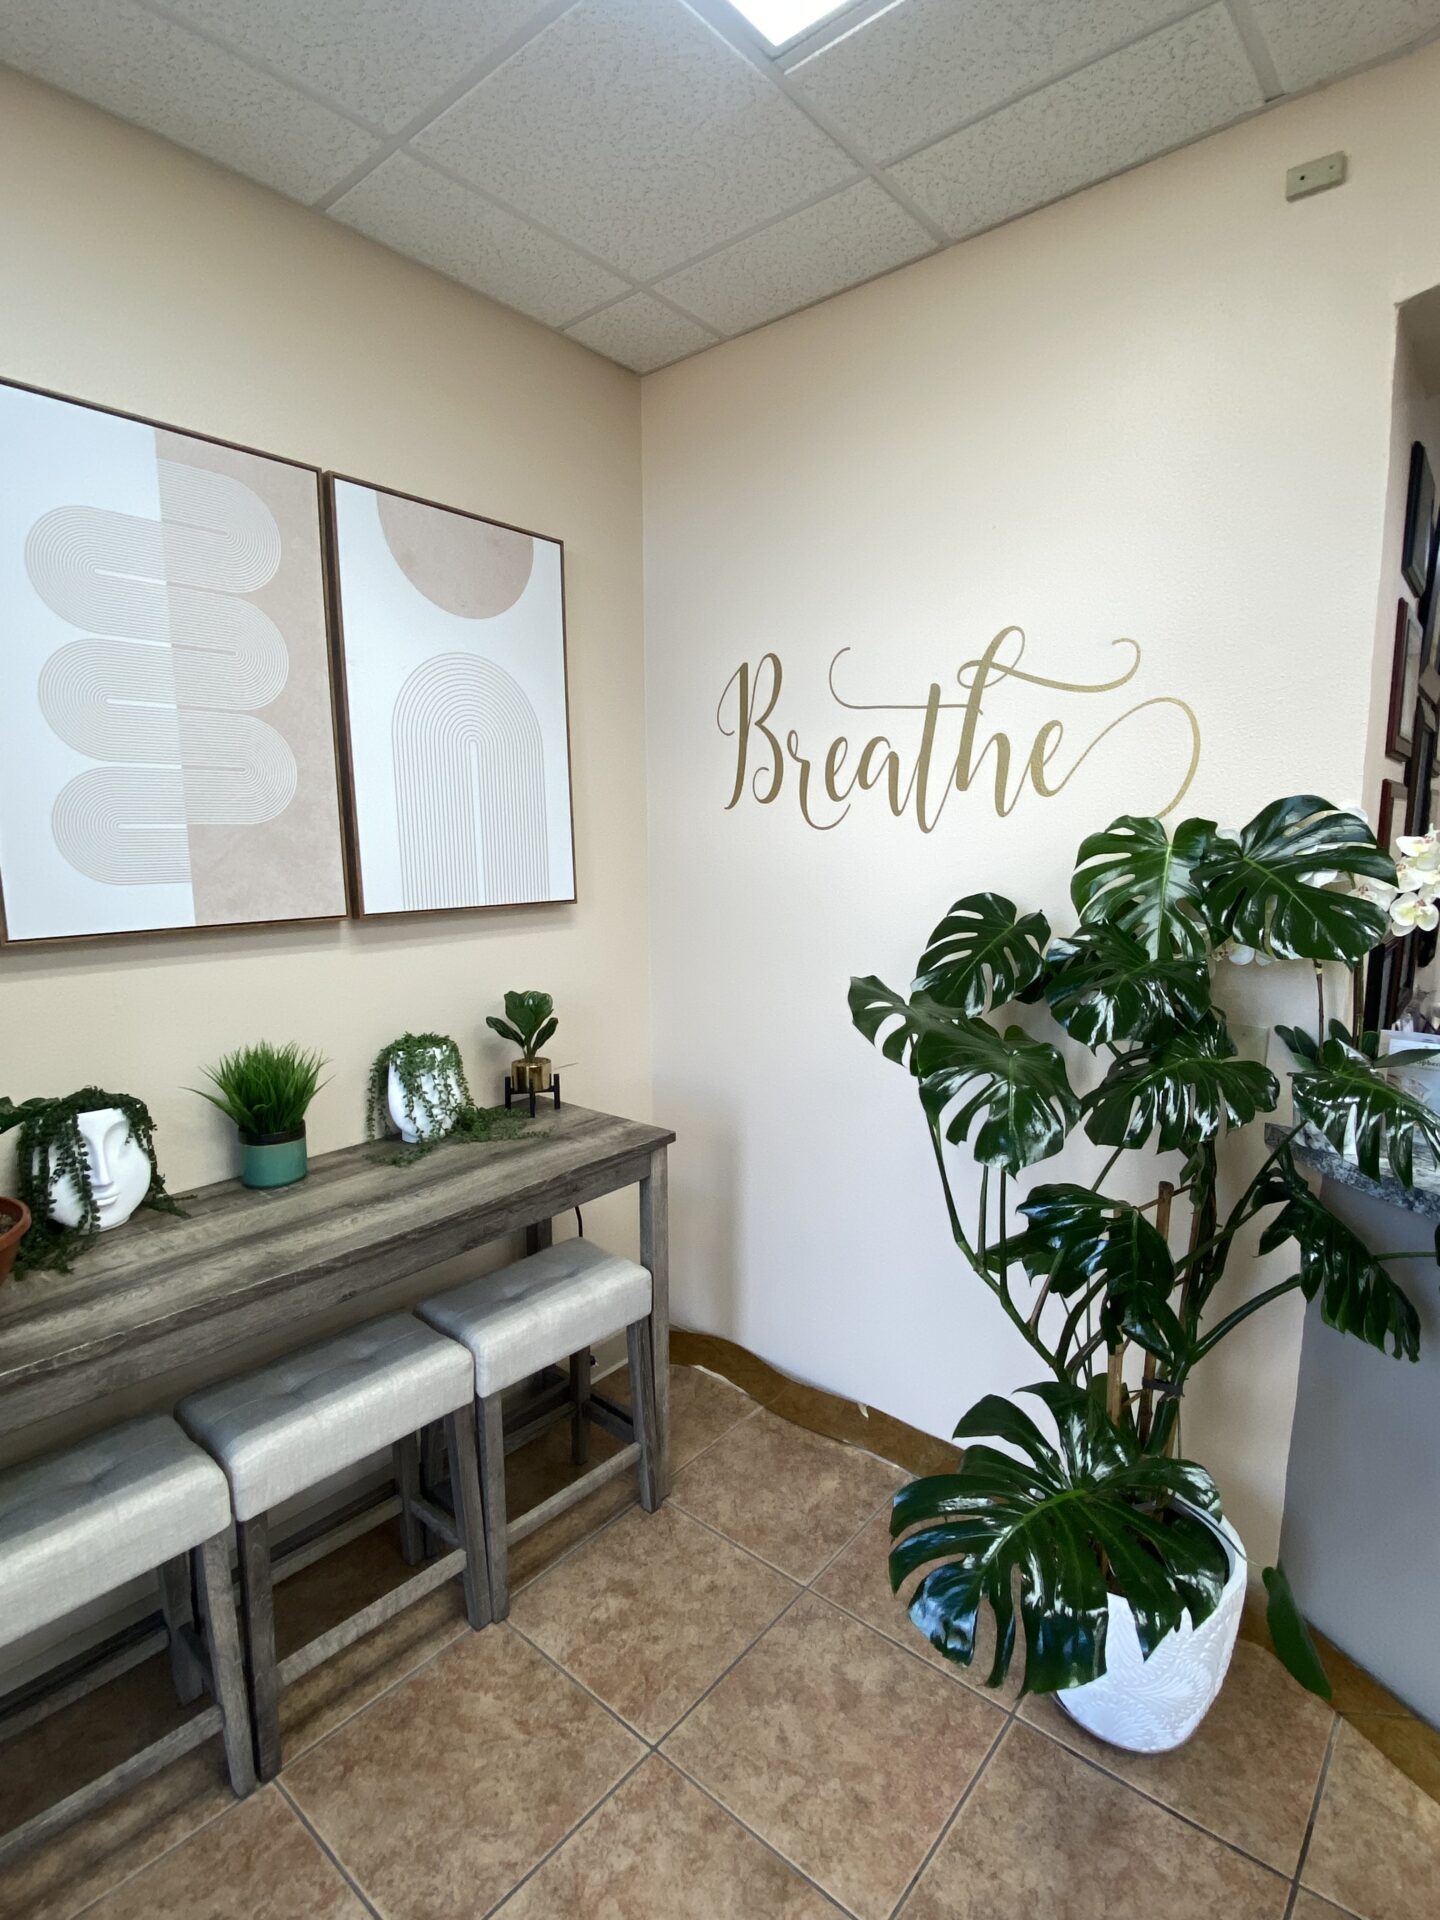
(1405, 669)
(1420, 801)
(1391, 816)
(1419, 521)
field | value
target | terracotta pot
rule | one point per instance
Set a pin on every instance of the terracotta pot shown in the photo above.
(14, 1225)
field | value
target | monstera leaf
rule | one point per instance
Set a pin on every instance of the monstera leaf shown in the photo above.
(1017, 1084)
(1049, 1517)
(1341, 1086)
(874, 1006)
(1268, 887)
(1135, 877)
(1102, 986)
(1185, 1088)
(982, 954)
(1355, 1291)
(1076, 1235)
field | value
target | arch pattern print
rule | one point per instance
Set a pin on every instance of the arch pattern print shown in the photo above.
(451, 637)
(469, 787)
(170, 741)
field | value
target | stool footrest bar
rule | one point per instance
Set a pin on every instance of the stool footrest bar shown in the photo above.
(572, 1495)
(296, 1665)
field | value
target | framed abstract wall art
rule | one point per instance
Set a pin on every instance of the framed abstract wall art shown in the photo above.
(450, 674)
(167, 749)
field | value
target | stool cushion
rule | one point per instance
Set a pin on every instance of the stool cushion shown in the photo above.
(541, 1309)
(76, 1524)
(292, 1424)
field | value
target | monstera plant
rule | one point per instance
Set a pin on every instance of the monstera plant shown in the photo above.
(1117, 1299)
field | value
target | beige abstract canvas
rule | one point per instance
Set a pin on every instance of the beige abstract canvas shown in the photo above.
(169, 745)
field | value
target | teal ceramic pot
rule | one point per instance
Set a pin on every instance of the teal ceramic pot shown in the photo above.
(272, 1159)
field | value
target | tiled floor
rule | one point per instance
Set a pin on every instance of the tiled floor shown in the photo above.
(717, 1712)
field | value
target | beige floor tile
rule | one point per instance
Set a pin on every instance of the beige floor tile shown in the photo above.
(659, 1849)
(543, 1467)
(1248, 1773)
(1406, 1743)
(843, 1752)
(255, 1861)
(702, 1407)
(1309, 1906)
(791, 1496)
(442, 1795)
(64, 1875)
(650, 1613)
(859, 1581)
(1043, 1834)
(1376, 1845)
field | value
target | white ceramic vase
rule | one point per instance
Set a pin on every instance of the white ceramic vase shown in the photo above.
(436, 1102)
(1149, 1706)
(119, 1172)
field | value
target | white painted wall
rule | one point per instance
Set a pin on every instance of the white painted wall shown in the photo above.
(1159, 410)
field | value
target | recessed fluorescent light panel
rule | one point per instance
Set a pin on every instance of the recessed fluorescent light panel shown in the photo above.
(781, 21)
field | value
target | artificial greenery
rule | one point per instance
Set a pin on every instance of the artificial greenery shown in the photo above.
(414, 1056)
(266, 1090)
(529, 1021)
(50, 1148)
(1084, 1273)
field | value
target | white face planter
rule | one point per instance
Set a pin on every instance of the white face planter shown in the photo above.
(120, 1172)
(437, 1099)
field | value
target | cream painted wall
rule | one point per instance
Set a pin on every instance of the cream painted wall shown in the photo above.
(141, 277)
(1159, 410)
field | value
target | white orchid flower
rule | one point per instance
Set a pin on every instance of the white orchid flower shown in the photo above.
(1420, 849)
(1239, 956)
(1378, 892)
(1410, 912)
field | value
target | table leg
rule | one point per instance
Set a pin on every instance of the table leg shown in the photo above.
(540, 1233)
(655, 1254)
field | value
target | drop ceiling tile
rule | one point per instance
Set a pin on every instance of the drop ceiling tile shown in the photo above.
(921, 69)
(161, 76)
(381, 59)
(846, 239)
(1178, 85)
(1313, 40)
(641, 333)
(631, 128)
(421, 213)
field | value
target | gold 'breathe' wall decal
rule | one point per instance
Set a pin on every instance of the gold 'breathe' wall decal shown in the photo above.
(947, 757)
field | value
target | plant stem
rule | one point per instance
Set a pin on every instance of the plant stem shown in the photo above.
(1319, 1004)
(1095, 1183)
(1232, 1320)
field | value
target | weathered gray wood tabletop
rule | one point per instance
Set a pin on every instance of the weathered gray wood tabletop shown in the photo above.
(160, 1291)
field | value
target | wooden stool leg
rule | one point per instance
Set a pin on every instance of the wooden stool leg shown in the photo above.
(175, 1604)
(257, 1605)
(227, 1668)
(579, 1406)
(469, 1513)
(433, 1458)
(642, 1405)
(492, 1486)
(406, 1454)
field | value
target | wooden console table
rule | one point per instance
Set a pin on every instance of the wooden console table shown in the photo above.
(160, 1291)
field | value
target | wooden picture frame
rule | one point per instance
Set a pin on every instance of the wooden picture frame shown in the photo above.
(1419, 521)
(1420, 799)
(451, 670)
(1405, 669)
(1391, 815)
(171, 756)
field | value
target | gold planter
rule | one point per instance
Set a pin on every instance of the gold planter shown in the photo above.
(531, 1076)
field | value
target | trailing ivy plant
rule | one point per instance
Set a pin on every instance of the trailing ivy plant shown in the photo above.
(413, 1056)
(529, 1022)
(1084, 1274)
(49, 1148)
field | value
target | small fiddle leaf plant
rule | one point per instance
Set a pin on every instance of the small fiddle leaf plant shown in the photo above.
(1084, 1274)
(414, 1057)
(49, 1148)
(529, 1022)
(266, 1090)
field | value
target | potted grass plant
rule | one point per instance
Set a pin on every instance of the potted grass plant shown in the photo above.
(266, 1090)
(1129, 1580)
(84, 1162)
(529, 1022)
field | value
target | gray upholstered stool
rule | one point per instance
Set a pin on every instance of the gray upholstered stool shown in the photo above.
(138, 1499)
(291, 1425)
(533, 1315)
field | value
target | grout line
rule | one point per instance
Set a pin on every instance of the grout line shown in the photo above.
(164, 1854)
(955, 1812)
(569, 1834)
(769, 1845)
(1320, 1786)
(329, 1852)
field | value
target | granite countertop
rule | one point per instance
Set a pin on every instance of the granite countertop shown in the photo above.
(1312, 1149)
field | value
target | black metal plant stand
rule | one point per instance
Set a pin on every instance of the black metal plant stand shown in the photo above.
(511, 1090)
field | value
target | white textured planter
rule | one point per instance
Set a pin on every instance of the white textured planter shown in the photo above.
(119, 1172)
(439, 1095)
(1152, 1705)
